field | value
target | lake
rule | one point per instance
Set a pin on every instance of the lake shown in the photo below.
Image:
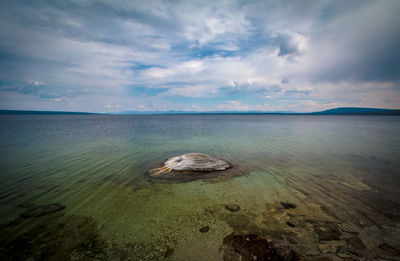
(342, 173)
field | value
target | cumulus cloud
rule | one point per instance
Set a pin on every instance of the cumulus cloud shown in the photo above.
(290, 43)
(166, 55)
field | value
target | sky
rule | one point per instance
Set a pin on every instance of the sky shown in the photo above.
(114, 55)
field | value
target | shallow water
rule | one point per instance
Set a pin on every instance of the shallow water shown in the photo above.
(344, 169)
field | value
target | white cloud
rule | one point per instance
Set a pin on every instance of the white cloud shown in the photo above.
(327, 54)
(192, 91)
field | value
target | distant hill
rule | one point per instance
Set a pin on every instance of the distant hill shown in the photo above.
(358, 111)
(41, 112)
(335, 111)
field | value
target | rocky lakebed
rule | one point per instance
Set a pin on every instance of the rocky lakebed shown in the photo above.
(281, 230)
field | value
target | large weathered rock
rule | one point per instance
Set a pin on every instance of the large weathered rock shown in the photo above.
(196, 162)
(191, 163)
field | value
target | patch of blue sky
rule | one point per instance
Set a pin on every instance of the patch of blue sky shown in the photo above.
(140, 91)
(144, 66)
(230, 48)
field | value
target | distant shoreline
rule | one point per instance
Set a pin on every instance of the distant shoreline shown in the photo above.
(335, 111)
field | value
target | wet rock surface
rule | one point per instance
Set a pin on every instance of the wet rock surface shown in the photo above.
(255, 247)
(196, 162)
(42, 210)
(190, 165)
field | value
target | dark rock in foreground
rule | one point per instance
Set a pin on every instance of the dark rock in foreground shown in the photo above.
(232, 207)
(254, 247)
(71, 237)
(52, 239)
(43, 210)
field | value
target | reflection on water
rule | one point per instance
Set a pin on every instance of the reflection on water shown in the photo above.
(342, 172)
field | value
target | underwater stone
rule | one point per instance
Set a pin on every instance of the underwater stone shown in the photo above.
(255, 247)
(192, 162)
(169, 253)
(290, 224)
(204, 229)
(327, 231)
(42, 210)
(232, 207)
(288, 205)
(355, 243)
(389, 249)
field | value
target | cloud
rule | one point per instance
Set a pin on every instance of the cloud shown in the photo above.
(43, 91)
(358, 46)
(236, 105)
(236, 87)
(192, 91)
(290, 43)
(298, 92)
(169, 55)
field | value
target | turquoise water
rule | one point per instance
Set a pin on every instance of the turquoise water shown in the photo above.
(344, 169)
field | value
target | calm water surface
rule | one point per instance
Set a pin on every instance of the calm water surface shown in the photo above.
(343, 169)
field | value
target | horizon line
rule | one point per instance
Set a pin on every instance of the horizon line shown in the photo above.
(337, 110)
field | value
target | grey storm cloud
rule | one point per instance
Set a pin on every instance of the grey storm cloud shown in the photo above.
(362, 45)
(287, 44)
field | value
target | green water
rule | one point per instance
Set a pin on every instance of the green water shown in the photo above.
(344, 169)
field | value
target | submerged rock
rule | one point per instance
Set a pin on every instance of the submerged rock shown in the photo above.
(42, 210)
(232, 207)
(255, 247)
(290, 224)
(169, 252)
(49, 239)
(73, 237)
(326, 230)
(389, 249)
(204, 229)
(355, 244)
(288, 205)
